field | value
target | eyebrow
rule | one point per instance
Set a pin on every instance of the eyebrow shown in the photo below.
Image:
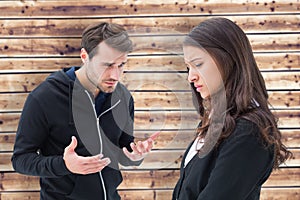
(193, 60)
(107, 64)
(111, 64)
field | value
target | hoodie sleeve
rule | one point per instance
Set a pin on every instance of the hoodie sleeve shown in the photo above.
(127, 137)
(32, 132)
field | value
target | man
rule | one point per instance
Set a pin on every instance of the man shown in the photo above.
(75, 124)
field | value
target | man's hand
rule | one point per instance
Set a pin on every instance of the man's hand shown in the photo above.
(140, 149)
(83, 165)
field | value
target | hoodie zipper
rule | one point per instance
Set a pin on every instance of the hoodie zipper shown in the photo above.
(99, 133)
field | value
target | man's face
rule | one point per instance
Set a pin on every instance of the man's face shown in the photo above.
(106, 67)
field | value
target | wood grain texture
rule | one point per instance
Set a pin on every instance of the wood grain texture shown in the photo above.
(143, 25)
(31, 195)
(152, 179)
(14, 102)
(145, 179)
(266, 194)
(163, 120)
(167, 81)
(100, 8)
(265, 61)
(41, 47)
(157, 159)
(172, 140)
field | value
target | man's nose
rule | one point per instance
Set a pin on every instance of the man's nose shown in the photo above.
(115, 73)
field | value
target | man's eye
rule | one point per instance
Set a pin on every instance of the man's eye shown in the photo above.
(121, 65)
(187, 68)
(108, 65)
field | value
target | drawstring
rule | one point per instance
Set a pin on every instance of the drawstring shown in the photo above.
(71, 121)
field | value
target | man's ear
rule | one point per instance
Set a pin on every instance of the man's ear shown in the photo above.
(84, 55)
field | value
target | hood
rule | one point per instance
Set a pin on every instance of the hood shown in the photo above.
(60, 77)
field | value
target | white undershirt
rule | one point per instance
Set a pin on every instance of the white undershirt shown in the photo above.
(193, 150)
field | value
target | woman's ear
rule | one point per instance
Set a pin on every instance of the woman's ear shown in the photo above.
(83, 55)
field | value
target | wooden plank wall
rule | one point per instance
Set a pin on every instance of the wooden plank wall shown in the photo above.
(38, 37)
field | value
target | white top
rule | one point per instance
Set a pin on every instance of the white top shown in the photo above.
(193, 150)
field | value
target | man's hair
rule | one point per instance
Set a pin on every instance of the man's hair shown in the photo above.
(114, 35)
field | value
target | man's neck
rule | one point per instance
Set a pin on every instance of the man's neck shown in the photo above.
(85, 82)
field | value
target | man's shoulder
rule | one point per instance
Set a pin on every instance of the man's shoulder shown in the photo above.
(49, 85)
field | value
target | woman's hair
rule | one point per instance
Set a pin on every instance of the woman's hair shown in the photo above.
(114, 35)
(245, 90)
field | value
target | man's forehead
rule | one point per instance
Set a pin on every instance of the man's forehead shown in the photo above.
(109, 54)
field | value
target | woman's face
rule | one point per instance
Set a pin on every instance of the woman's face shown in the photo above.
(203, 71)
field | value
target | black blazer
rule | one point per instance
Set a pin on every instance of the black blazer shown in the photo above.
(234, 171)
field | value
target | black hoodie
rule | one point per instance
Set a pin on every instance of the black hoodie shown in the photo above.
(58, 109)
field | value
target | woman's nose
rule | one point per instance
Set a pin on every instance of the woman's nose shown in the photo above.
(192, 76)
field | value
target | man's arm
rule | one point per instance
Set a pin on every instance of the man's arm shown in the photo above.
(31, 134)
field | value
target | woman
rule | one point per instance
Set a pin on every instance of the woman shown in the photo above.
(237, 142)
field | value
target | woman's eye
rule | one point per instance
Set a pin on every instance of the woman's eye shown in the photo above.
(199, 65)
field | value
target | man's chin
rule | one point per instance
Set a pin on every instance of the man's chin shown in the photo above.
(108, 89)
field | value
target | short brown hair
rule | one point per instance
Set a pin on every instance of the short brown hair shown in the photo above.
(114, 35)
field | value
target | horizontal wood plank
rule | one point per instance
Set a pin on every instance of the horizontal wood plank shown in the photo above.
(167, 139)
(160, 120)
(147, 81)
(37, 47)
(139, 26)
(143, 120)
(20, 82)
(146, 179)
(98, 8)
(152, 179)
(291, 138)
(14, 102)
(284, 99)
(284, 79)
(24, 195)
(265, 61)
(7, 141)
(266, 194)
(157, 159)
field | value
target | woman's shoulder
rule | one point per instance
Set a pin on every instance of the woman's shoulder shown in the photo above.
(245, 132)
(243, 122)
(245, 127)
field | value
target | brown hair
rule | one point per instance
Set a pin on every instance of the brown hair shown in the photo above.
(245, 90)
(114, 35)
